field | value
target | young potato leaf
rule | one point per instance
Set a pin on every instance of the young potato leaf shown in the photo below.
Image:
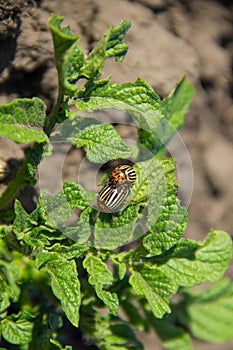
(168, 229)
(21, 119)
(148, 281)
(101, 141)
(10, 270)
(164, 218)
(27, 227)
(111, 45)
(112, 234)
(74, 250)
(208, 315)
(80, 229)
(138, 98)
(77, 196)
(17, 329)
(118, 261)
(150, 181)
(5, 295)
(57, 209)
(22, 222)
(175, 106)
(68, 53)
(65, 284)
(21, 133)
(34, 157)
(24, 111)
(209, 260)
(100, 276)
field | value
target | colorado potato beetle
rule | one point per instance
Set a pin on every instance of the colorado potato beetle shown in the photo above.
(113, 194)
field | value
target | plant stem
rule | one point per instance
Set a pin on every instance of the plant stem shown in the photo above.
(24, 176)
(52, 118)
(14, 186)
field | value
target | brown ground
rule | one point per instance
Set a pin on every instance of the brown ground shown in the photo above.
(167, 39)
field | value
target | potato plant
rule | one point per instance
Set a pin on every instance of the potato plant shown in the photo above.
(106, 274)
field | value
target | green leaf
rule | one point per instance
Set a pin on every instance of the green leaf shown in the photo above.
(111, 234)
(68, 53)
(31, 229)
(69, 252)
(148, 281)
(175, 106)
(111, 45)
(101, 141)
(117, 260)
(150, 182)
(163, 216)
(78, 228)
(38, 227)
(4, 295)
(57, 209)
(77, 196)
(25, 111)
(17, 329)
(208, 314)
(108, 298)
(168, 229)
(65, 284)
(9, 269)
(20, 133)
(81, 230)
(20, 120)
(34, 157)
(22, 222)
(155, 181)
(100, 276)
(138, 98)
(207, 262)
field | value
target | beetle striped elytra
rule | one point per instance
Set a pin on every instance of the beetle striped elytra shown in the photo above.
(113, 194)
(110, 198)
(4, 169)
